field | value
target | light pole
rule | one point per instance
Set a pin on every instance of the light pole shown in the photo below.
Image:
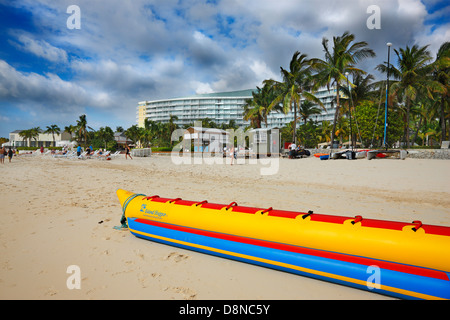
(386, 103)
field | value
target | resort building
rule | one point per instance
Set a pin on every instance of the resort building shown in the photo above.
(41, 140)
(221, 108)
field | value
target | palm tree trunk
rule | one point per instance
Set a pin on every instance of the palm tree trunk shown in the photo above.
(336, 113)
(443, 122)
(408, 103)
(418, 128)
(448, 129)
(294, 123)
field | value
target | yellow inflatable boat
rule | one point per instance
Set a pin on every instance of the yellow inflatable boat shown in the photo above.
(406, 260)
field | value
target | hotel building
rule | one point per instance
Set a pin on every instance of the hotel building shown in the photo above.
(221, 108)
(41, 140)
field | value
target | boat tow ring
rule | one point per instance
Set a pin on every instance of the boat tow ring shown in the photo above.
(266, 210)
(418, 225)
(233, 204)
(310, 212)
(150, 198)
(200, 203)
(174, 200)
(357, 219)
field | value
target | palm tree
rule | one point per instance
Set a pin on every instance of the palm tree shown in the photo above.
(411, 78)
(53, 129)
(35, 133)
(342, 128)
(253, 112)
(26, 135)
(82, 128)
(150, 131)
(29, 134)
(70, 129)
(134, 133)
(362, 90)
(297, 82)
(441, 73)
(230, 125)
(308, 109)
(342, 58)
(258, 108)
(105, 134)
(432, 131)
(172, 126)
(325, 131)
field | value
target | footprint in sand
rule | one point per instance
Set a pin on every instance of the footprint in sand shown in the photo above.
(177, 257)
(146, 280)
(188, 294)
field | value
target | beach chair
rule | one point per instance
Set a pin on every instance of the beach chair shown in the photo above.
(115, 154)
(30, 153)
(104, 156)
(70, 155)
(93, 155)
(82, 156)
(60, 155)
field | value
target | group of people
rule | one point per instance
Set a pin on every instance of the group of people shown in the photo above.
(10, 153)
(297, 151)
(89, 151)
(6, 153)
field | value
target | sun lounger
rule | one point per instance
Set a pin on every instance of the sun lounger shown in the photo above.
(92, 155)
(66, 155)
(115, 154)
(82, 156)
(104, 156)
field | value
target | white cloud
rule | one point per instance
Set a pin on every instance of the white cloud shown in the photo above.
(434, 38)
(261, 70)
(41, 48)
(45, 91)
(202, 87)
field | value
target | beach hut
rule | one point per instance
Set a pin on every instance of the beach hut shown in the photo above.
(122, 139)
(265, 141)
(207, 139)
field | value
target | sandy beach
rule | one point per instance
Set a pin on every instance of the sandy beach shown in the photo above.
(58, 212)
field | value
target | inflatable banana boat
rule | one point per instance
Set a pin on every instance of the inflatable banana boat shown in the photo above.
(405, 260)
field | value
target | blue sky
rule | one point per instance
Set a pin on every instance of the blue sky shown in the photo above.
(130, 51)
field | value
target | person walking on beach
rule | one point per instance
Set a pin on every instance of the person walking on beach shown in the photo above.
(2, 155)
(127, 152)
(10, 154)
(232, 155)
(78, 150)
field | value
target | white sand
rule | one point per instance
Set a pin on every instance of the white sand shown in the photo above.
(57, 212)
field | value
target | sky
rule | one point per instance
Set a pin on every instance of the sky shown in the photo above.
(57, 63)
